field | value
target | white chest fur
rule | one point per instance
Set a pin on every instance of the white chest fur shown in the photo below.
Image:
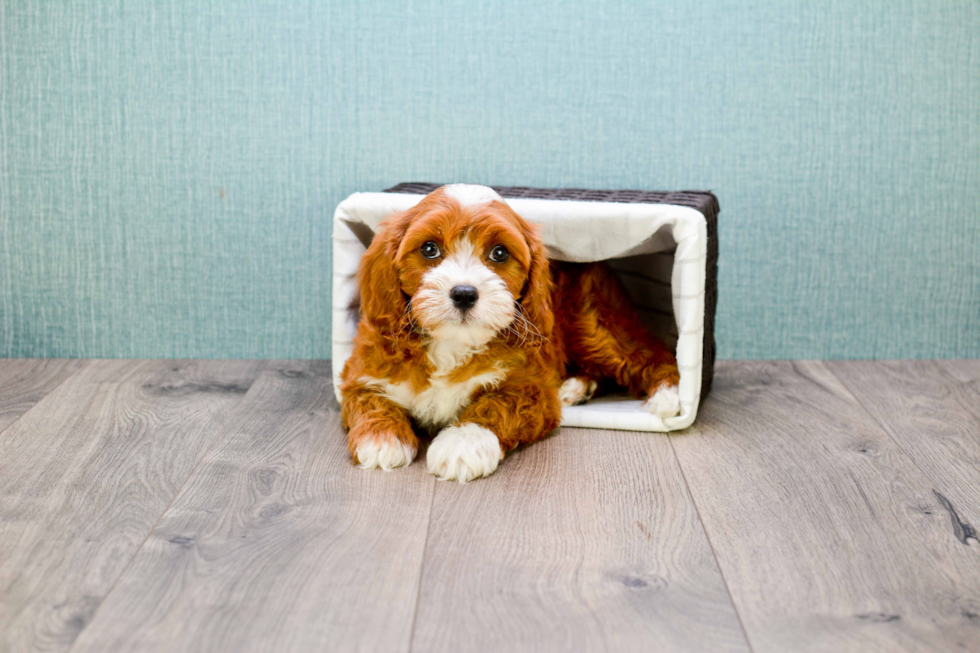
(441, 402)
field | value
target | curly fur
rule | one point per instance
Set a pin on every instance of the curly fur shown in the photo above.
(418, 360)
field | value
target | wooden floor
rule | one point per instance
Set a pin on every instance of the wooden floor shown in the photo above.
(211, 506)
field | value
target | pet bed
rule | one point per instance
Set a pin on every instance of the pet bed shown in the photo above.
(663, 246)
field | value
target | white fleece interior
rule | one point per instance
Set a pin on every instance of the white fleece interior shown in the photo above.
(658, 250)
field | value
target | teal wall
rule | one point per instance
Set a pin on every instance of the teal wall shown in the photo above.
(168, 170)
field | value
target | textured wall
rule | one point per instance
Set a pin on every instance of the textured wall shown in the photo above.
(168, 170)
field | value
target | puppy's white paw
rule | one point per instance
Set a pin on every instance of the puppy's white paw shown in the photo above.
(384, 453)
(464, 453)
(575, 391)
(665, 402)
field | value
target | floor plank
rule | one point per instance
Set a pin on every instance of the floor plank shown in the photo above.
(840, 499)
(84, 476)
(966, 370)
(25, 381)
(277, 543)
(587, 541)
(828, 535)
(935, 418)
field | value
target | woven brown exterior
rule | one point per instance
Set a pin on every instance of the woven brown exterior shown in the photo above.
(704, 202)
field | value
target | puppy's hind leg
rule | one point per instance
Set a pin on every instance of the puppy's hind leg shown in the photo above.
(607, 340)
(576, 390)
(665, 399)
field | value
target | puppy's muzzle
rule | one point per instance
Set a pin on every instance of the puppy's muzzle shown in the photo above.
(464, 297)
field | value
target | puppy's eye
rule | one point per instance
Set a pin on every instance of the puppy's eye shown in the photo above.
(499, 254)
(430, 250)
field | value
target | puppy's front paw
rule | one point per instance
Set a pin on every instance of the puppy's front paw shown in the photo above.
(381, 450)
(384, 453)
(576, 390)
(464, 453)
(665, 402)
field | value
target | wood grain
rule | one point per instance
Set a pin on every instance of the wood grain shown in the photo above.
(155, 505)
(25, 381)
(587, 541)
(85, 475)
(277, 543)
(966, 370)
(935, 418)
(829, 536)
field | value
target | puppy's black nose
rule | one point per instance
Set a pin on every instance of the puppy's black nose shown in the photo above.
(464, 296)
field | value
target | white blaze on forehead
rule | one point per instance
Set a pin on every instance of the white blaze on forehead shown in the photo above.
(463, 253)
(471, 194)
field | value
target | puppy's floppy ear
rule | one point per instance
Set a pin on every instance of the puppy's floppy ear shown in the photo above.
(383, 304)
(536, 297)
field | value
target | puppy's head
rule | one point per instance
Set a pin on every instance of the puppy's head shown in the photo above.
(460, 264)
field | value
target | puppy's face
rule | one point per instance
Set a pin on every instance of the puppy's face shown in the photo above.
(464, 261)
(459, 265)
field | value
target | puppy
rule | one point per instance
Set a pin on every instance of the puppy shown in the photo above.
(468, 332)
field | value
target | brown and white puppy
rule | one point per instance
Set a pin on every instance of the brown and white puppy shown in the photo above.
(468, 332)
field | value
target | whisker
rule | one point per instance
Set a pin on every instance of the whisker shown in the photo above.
(523, 333)
(408, 320)
(527, 324)
(517, 333)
